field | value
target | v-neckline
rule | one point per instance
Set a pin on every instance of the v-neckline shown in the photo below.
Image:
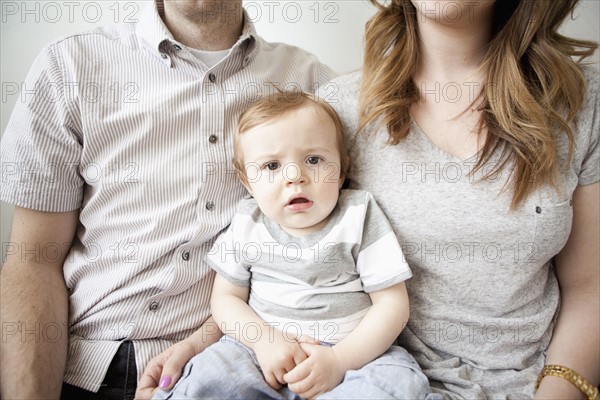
(427, 140)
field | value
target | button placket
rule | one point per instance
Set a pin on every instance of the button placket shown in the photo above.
(166, 59)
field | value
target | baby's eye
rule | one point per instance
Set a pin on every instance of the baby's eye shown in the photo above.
(313, 160)
(272, 165)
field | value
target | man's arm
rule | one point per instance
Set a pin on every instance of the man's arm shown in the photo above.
(575, 340)
(325, 366)
(34, 301)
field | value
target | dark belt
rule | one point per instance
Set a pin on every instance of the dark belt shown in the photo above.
(119, 383)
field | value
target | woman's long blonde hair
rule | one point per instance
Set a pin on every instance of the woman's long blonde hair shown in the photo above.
(537, 87)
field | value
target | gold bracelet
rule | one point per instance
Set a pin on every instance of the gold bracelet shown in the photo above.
(567, 373)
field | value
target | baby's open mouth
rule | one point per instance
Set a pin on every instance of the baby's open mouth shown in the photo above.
(298, 200)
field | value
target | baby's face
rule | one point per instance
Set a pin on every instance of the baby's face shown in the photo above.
(293, 169)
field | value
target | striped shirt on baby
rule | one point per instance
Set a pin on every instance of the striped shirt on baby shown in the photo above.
(316, 285)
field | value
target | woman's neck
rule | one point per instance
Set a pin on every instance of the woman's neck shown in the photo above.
(452, 47)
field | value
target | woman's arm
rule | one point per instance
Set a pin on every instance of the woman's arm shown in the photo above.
(325, 367)
(577, 332)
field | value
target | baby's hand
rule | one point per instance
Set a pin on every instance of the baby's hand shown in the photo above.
(318, 374)
(278, 354)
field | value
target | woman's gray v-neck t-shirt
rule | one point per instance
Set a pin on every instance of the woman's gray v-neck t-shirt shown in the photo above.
(484, 294)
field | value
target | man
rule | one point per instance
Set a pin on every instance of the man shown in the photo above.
(119, 165)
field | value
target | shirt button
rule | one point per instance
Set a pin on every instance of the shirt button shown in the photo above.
(176, 46)
(185, 256)
(212, 78)
(210, 206)
(538, 209)
(154, 306)
(163, 55)
(212, 139)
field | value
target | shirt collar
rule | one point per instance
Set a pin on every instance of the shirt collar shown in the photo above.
(152, 31)
(248, 36)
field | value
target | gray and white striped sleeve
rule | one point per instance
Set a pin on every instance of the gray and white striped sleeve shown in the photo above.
(41, 149)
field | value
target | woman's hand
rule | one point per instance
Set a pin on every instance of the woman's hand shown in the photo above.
(164, 370)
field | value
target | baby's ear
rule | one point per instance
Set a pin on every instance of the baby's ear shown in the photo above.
(239, 171)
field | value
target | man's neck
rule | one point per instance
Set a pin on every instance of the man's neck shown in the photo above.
(203, 25)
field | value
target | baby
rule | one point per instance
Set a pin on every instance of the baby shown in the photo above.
(310, 278)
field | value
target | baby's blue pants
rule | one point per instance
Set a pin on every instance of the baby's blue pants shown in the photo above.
(230, 370)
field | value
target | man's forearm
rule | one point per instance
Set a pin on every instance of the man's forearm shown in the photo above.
(34, 313)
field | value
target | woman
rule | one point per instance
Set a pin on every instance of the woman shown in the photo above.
(478, 136)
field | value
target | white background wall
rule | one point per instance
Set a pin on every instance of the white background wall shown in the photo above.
(332, 29)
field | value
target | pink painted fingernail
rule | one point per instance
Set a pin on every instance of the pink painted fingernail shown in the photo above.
(165, 381)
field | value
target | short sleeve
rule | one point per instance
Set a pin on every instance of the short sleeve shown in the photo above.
(589, 119)
(225, 257)
(41, 146)
(380, 262)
